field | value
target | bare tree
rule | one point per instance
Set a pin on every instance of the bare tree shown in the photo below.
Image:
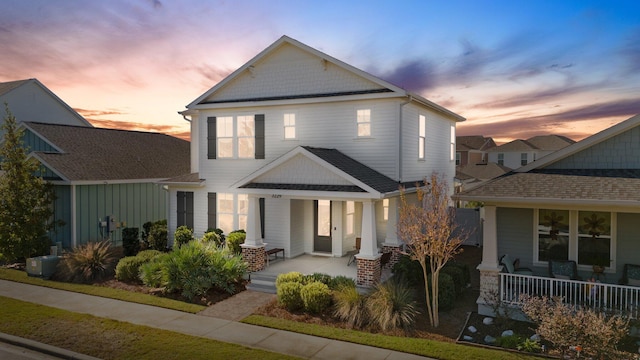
(427, 227)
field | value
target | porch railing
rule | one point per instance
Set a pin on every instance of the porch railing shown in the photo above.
(609, 297)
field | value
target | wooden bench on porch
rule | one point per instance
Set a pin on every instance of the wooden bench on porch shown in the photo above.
(274, 252)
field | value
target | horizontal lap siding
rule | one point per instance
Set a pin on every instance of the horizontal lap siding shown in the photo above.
(515, 235)
(628, 242)
(277, 223)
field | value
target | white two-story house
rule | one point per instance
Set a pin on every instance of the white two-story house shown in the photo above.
(307, 153)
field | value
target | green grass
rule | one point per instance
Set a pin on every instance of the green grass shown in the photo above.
(423, 347)
(111, 339)
(21, 276)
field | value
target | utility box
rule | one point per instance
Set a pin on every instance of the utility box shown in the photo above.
(42, 266)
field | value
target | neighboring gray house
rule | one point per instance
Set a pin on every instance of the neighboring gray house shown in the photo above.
(517, 153)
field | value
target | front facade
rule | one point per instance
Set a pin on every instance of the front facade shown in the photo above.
(307, 153)
(580, 204)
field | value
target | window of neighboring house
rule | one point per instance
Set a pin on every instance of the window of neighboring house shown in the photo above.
(225, 212)
(500, 159)
(350, 217)
(385, 209)
(185, 209)
(524, 158)
(246, 137)
(458, 157)
(289, 126)
(452, 152)
(422, 132)
(363, 121)
(553, 234)
(243, 211)
(224, 131)
(594, 238)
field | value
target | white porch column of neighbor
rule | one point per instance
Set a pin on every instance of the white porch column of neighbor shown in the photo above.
(253, 249)
(368, 259)
(391, 242)
(489, 268)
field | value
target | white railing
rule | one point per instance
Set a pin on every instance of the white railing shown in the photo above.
(609, 297)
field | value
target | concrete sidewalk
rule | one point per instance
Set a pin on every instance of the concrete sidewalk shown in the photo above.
(279, 341)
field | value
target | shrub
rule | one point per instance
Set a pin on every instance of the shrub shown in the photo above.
(466, 272)
(509, 342)
(316, 297)
(157, 238)
(456, 275)
(565, 326)
(289, 295)
(212, 237)
(130, 241)
(528, 345)
(391, 305)
(151, 273)
(87, 263)
(292, 276)
(349, 306)
(409, 271)
(320, 277)
(146, 229)
(234, 239)
(182, 235)
(446, 291)
(341, 281)
(128, 268)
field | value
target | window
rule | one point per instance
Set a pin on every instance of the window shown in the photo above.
(185, 209)
(453, 143)
(289, 126)
(500, 159)
(350, 216)
(364, 122)
(224, 131)
(553, 234)
(225, 212)
(422, 124)
(243, 210)
(594, 238)
(524, 158)
(241, 137)
(385, 209)
(458, 157)
(246, 137)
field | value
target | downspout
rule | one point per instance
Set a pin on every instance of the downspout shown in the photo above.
(399, 165)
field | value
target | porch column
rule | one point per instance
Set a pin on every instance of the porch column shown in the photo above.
(253, 249)
(489, 268)
(368, 259)
(391, 242)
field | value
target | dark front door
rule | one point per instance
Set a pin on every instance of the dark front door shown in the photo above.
(322, 226)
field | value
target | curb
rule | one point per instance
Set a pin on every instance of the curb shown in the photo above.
(44, 348)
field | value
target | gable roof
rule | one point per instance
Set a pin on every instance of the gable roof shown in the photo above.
(550, 142)
(515, 145)
(474, 142)
(6, 87)
(375, 85)
(88, 154)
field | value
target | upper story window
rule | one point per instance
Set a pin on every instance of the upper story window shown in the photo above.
(524, 157)
(289, 126)
(246, 137)
(453, 143)
(501, 159)
(422, 132)
(363, 122)
(239, 137)
(224, 130)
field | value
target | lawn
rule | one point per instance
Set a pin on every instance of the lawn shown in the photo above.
(111, 339)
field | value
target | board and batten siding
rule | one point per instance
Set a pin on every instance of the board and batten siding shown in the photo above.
(627, 242)
(62, 212)
(515, 231)
(133, 204)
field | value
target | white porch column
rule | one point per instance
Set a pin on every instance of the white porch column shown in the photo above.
(489, 268)
(369, 245)
(254, 235)
(392, 237)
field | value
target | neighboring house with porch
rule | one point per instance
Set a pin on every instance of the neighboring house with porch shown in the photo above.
(575, 208)
(307, 153)
(104, 179)
(517, 153)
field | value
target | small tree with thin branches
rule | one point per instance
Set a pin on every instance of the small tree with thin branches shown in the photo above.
(428, 228)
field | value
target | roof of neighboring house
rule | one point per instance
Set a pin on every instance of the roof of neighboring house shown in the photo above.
(515, 145)
(550, 142)
(6, 87)
(474, 142)
(92, 154)
(482, 171)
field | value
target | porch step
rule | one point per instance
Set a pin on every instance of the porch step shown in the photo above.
(263, 283)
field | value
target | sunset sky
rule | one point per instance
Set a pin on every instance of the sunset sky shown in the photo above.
(514, 69)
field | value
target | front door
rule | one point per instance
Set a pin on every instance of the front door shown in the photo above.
(322, 226)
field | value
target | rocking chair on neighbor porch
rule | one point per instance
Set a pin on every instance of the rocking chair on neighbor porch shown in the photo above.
(353, 253)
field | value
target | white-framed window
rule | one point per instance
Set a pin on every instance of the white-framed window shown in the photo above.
(350, 210)
(500, 158)
(524, 158)
(246, 136)
(363, 122)
(553, 234)
(385, 209)
(422, 133)
(224, 131)
(289, 126)
(226, 212)
(452, 154)
(594, 238)
(458, 158)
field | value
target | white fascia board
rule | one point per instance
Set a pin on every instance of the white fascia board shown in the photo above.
(311, 195)
(25, 125)
(116, 181)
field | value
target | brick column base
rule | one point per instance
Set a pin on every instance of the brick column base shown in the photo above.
(489, 290)
(395, 251)
(369, 271)
(255, 256)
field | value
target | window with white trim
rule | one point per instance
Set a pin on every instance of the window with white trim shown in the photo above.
(224, 131)
(225, 212)
(385, 209)
(500, 158)
(246, 137)
(594, 238)
(458, 158)
(290, 126)
(422, 132)
(524, 158)
(363, 122)
(452, 155)
(553, 234)
(350, 210)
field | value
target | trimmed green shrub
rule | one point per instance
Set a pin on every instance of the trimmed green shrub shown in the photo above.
(456, 275)
(316, 297)
(218, 232)
(289, 295)
(87, 263)
(144, 236)
(391, 305)
(409, 271)
(320, 277)
(349, 306)
(151, 273)
(446, 291)
(128, 268)
(157, 238)
(466, 271)
(292, 276)
(212, 237)
(341, 281)
(130, 241)
(182, 235)
(234, 240)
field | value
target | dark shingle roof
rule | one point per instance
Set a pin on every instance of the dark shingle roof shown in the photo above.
(90, 154)
(5, 87)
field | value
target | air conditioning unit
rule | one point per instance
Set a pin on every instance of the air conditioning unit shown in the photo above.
(42, 266)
